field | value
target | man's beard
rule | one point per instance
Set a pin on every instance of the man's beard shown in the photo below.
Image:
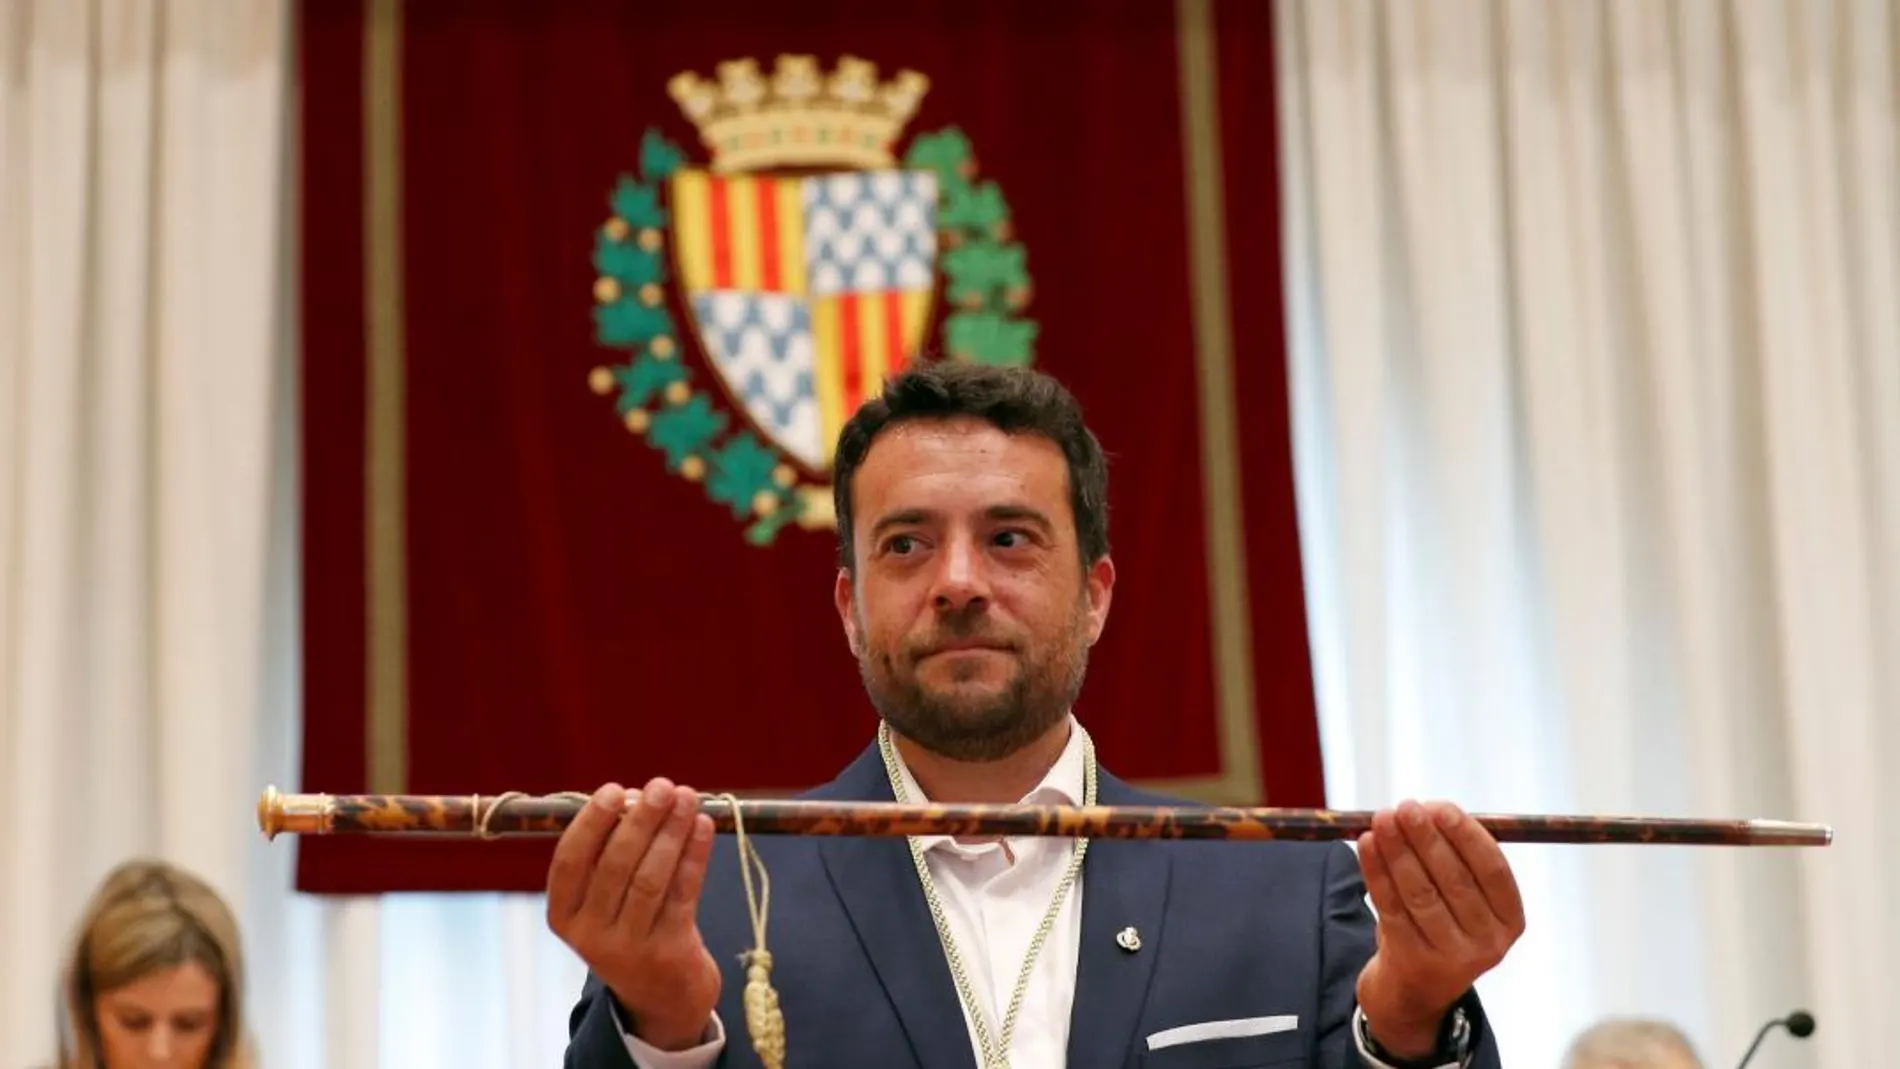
(988, 727)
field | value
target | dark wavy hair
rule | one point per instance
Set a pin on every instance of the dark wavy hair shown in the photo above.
(1014, 400)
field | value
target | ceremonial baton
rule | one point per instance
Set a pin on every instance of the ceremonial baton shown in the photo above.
(517, 815)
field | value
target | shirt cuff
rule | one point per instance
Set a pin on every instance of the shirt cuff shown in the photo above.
(1366, 1056)
(646, 1056)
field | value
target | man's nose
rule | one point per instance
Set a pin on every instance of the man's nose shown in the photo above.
(962, 576)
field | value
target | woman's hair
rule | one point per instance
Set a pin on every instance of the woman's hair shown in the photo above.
(1630, 1043)
(148, 916)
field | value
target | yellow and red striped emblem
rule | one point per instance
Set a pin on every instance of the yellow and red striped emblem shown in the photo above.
(807, 292)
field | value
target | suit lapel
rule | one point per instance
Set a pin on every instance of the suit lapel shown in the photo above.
(1124, 885)
(876, 881)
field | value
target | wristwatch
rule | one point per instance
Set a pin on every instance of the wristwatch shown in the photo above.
(1454, 1044)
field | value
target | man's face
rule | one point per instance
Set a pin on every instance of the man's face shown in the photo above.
(971, 615)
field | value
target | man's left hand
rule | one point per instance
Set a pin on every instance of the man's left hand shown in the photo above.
(1448, 911)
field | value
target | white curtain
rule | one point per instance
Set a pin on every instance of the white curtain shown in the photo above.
(139, 303)
(1595, 313)
(148, 547)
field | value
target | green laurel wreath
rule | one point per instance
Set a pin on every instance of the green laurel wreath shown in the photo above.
(987, 273)
(987, 284)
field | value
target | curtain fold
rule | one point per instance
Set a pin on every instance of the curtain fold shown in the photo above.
(140, 233)
(1594, 351)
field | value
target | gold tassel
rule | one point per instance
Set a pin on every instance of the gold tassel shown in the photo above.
(763, 1019)
(762, 1016)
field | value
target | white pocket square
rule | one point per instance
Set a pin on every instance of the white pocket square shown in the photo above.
(1234, 1029)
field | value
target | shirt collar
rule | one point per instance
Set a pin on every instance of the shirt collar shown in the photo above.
(1061, 785)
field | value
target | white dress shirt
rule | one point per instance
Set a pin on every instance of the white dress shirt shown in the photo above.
(994, 896)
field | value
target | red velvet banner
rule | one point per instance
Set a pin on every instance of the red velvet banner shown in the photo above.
(548, 545)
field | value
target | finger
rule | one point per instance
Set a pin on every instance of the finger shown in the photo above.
(575, 854)
(1384, 892)
(608, 889)
(1446, 868)
(653, 879)
(1486, 861)
(1418, 896)
(682, 903)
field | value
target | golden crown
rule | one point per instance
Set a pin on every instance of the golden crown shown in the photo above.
(800, 117)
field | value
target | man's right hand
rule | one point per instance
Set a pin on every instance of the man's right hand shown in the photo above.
(623, 892)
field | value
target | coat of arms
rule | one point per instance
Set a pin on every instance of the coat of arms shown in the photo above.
(810, 262)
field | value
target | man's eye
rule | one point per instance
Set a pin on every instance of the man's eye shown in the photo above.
(900, 544)
(1010, 539)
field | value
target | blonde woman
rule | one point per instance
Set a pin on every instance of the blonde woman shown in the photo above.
(1632, 1043)
(155, 978)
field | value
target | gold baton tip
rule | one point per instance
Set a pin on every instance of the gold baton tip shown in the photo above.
(268, 812)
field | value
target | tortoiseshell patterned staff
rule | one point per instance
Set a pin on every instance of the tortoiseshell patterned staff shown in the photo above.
(514, 814)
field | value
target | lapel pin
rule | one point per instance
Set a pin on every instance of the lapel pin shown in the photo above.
(1128, 939)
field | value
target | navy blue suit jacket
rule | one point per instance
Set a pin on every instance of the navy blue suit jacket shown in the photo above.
(1228, 930)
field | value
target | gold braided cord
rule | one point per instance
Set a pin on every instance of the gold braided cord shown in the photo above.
(483, 815)
(995, 1047)
(764, 1021)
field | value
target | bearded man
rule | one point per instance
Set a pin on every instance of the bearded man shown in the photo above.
(974, 577)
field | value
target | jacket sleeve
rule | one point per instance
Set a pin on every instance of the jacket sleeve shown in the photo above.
(597, 1040)
(1348, 936)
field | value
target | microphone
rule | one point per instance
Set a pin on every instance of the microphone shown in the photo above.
(1800, 1025)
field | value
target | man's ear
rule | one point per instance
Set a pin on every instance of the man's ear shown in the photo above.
(844, 593)
(1100, 589)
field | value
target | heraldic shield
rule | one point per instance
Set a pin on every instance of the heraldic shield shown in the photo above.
(807, 253)
(806, 291)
